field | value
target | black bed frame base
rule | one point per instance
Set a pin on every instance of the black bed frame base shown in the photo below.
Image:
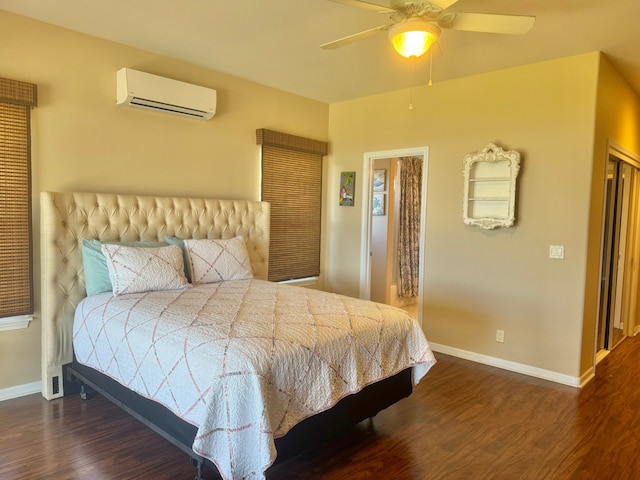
(308, 433)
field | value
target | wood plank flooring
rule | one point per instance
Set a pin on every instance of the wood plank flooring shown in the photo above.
(463, 421)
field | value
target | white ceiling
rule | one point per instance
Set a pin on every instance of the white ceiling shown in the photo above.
(276, 42)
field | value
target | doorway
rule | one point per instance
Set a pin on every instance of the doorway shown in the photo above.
(618, 277)
(380, 276)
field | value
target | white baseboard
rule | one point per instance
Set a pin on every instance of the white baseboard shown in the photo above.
(513, 366)
(20, 390)
(36, 387)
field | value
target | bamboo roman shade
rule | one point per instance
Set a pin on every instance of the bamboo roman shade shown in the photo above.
(16, 290)
(292, 184)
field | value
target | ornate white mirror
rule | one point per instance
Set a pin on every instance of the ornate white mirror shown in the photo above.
(490, 187)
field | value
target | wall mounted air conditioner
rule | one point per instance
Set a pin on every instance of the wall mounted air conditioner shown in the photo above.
(144, 90)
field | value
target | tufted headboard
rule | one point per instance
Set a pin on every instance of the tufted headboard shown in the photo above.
(67, 218)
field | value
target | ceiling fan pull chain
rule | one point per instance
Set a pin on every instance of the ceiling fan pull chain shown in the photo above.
(430, 68)
(413, 69)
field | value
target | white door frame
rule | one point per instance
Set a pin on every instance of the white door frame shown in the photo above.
(365, 244)
(616, 150)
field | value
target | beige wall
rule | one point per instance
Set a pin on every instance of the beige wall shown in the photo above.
(477, 281)
(82, 141)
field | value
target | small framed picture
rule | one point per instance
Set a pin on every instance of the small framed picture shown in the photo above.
(378, 204)
(380, 180)
(347, 188)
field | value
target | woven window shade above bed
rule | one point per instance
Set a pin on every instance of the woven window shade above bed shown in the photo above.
(16, 291)
(292, 184)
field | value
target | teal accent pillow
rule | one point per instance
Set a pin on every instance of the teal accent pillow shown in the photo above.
(96, 273)
(180, 243)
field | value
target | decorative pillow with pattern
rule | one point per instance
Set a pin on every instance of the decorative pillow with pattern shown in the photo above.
(212, 261)
(138, 269)
(96, 272)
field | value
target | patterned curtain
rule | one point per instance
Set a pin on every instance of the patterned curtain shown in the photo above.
(409, 234)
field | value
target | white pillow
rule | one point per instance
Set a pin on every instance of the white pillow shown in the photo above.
(140, 269)
(212, 261)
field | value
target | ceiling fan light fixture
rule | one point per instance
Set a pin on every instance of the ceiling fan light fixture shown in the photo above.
(413, 37)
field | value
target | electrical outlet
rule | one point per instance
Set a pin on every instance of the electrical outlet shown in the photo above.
(500, 336)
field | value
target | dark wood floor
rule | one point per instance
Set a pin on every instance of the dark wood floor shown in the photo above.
(464, 421)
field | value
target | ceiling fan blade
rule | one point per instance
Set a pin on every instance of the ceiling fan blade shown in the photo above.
(490, 23)
(354, 38)
(365, 5)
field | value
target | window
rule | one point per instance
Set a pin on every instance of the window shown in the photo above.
(16, 279)
(292, 184)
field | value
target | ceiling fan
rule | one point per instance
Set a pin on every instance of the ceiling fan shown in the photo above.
(416, 25)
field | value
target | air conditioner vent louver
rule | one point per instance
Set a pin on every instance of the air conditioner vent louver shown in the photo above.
(144, 90)
(165, 107)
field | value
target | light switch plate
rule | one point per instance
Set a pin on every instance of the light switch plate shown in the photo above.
(556, 252)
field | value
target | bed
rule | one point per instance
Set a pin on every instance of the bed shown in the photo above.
(226, 408)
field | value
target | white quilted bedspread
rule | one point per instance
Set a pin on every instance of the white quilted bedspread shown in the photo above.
(245, 360)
